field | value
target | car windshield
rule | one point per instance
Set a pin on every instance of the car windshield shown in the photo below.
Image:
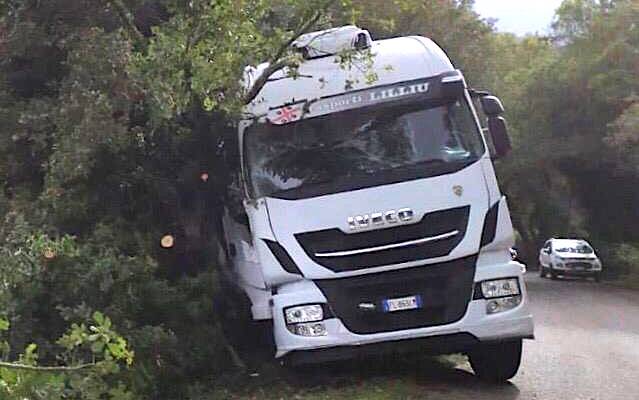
(580, 248)
(349, 149)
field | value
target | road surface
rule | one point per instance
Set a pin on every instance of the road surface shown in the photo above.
(586, 348)
(587, 342)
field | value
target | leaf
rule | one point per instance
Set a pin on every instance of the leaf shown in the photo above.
(98, 317)
(97, 347)
(4, 324)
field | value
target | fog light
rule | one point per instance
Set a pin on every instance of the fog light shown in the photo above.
(307, 313)
(500, 288)
(309, 329)
(502, 304)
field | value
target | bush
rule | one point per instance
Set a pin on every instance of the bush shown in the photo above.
(92, 356)
(623, 262)
(54, 282)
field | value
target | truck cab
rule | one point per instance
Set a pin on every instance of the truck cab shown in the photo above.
(367, 216)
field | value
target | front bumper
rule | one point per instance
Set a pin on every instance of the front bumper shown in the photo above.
(431, 345)
(575, 272)
(474, 326)
(584, 270)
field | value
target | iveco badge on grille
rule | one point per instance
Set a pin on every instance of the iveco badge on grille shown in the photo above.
(380, 218)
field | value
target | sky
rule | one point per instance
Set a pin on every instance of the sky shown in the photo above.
(519, 16)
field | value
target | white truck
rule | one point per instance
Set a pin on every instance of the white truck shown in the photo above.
(366, 215)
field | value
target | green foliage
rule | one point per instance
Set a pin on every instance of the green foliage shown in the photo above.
(626, 258)
(91, 355)
(623, 135)
(199, 55)
(569, 100)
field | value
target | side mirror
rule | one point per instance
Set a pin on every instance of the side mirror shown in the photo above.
(493, 108)
(499, 134)
(491, 105)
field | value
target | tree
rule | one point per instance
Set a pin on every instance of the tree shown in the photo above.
(110, 116)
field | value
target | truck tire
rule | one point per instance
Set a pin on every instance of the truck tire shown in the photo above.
(496, 362)
(252, 340)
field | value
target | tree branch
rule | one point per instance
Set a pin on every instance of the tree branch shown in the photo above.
(127, 19)
(265, 75)
(277, 62)
(8, 365)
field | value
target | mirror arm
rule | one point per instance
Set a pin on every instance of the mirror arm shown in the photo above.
(474, 93)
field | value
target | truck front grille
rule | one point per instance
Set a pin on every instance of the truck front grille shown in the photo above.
(445, 289)
(435, 235)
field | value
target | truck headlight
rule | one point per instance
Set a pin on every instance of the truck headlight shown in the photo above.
(500, 294)
(500, 288)
(502, 304)
(306, 313)
(309, 329)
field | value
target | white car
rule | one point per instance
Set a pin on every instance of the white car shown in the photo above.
(565, 257)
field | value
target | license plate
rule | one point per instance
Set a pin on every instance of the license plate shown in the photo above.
(402, 303)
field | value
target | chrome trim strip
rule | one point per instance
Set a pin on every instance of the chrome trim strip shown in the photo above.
(388, 246)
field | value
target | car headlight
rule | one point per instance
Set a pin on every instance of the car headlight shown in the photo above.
(306, 313)
(500, 288)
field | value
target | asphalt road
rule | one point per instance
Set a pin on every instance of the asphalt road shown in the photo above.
(586, 348)
(587, 342)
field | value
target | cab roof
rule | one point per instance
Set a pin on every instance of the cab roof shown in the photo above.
(394, 60)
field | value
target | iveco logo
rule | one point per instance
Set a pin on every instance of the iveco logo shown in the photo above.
(380, 218)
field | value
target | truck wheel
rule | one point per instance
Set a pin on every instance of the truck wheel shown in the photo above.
(253, 341)
(496, 362)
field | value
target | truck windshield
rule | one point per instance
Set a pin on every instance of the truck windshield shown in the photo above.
(360, 148)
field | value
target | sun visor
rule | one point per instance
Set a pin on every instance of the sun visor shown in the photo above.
(442, 88)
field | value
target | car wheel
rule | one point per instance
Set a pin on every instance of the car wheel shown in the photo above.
(496, 362)
(553, 273)
(542, 271)
(597, 276)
